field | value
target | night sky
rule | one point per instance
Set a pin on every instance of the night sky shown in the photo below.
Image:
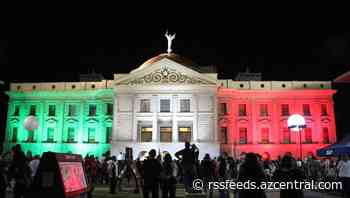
(282, 47)
(298, 45)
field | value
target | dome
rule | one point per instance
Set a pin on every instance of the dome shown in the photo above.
(174, 57)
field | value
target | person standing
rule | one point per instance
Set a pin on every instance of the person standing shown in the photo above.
(344, 174)
(168, 177)
(34, 164)
(151, 175)
(252, 171)
(3, 179)
(113, 174)
(187, 157)
(20, 171)
(289, 172)
(207, 174)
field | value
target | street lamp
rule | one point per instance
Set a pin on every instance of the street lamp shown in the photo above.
(296, 123)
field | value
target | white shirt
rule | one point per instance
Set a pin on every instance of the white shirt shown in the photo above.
(110, 166)
(34, 164)
(120, 157)
(344, 169)
(299, 164)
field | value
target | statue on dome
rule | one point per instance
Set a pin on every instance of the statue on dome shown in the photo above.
(170, 39)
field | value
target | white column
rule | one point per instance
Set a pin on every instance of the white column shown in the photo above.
(175, 132)
(134, 120)
(194, 108)
(154, 108)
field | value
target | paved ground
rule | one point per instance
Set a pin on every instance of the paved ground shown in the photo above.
(102, 191)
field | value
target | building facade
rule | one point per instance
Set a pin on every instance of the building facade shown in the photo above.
(165, 102)
(253, 117)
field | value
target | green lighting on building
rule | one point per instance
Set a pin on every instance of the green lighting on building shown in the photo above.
(70, 121)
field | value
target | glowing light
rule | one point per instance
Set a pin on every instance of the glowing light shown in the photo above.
(31, 123)
(296, 122)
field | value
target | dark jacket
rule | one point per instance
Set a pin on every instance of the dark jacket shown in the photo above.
(285, 175)
(151, 172)
(207, 169)
(188, 158)
(252, 174)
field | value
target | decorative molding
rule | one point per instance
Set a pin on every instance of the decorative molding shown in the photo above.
(51, 119)
(165, 75)
(72, 120)
(92, 120)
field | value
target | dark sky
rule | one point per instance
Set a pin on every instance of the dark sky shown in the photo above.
(44, 45)
(282, 47)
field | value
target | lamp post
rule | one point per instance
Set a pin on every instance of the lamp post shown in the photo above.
(296, 123)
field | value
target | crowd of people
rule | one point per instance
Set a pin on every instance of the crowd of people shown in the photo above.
(161, 172)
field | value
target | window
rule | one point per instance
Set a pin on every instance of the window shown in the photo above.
(146, 134)
(286, 135)
(70, 134)
(108, 135)
(164, 105)
(14, 134)
(306, 109)
(52, 110)
(50, 134)
(72, 110)
(30, 137)
(32, 110)
(185, 105)
(325, 135)
(145, 105)
(243, 136)
(91, 134)
(16, 112)
(324, 111)
(224, 135)
(109, 109)
(285, 110)
(242, 110)
(165, 134)
(263, 110)
(92, 110)
(308, 135)
(185, 134)
(264, 135)
(223, 109)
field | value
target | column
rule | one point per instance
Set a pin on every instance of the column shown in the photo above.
(61, 122)
(82, 127)
(215, 121)
(175, 132)
(115, 120)
(317, 133)
(276, 133)
(195, 108)
(332, 125)
(154, 108)
(41, 136)
(134, 120)
(253, 136)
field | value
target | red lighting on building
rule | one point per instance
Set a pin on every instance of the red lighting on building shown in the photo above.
(256, 120)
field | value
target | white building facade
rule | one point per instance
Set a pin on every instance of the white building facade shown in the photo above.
(162, 104)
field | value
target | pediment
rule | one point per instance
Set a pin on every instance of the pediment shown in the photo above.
(165, 71)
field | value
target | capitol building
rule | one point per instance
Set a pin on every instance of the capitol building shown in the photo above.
(163, 103)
